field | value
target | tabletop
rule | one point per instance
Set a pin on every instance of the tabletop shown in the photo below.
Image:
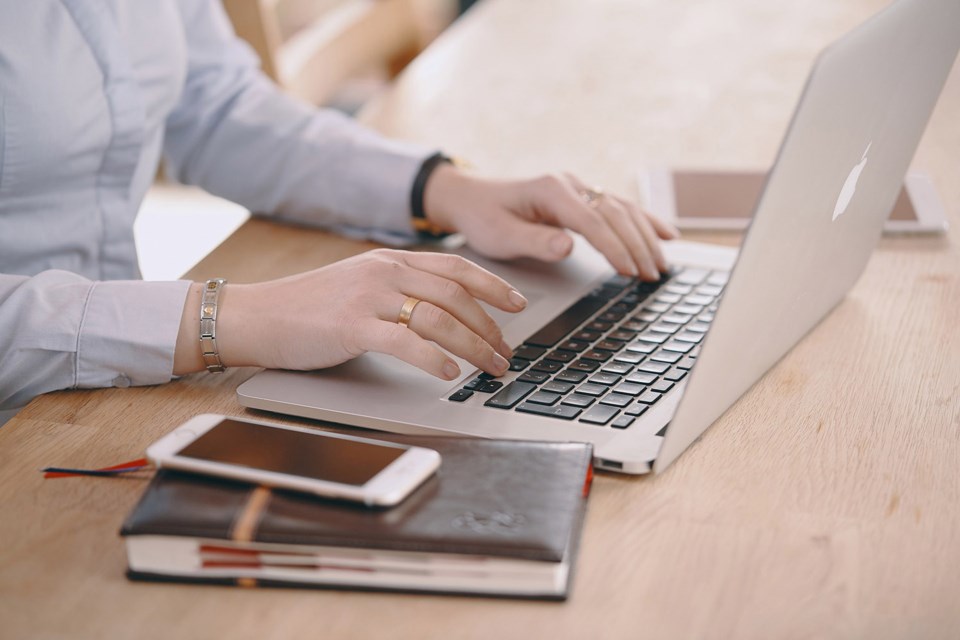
(825, 503)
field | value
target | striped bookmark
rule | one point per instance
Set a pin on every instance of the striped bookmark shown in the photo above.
(126, 467)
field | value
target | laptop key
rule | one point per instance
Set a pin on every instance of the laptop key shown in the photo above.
(570, 376)
(578, 345)
(649, 397)
(679, 347)
(642, 347)
(662, 386)
(623, 421)
(511, 394)
(719, 278)
(616, 400)
(578, 400)
(635, 325)
(544, 397)
(666, 356)
(561, 355)
(527, 352)
(549, 366)
(617, 368)
(592, 389)
(584, 336)
(653, 336)
(636, 409)
(642, 377)
(460, 395)
(599, 414)
(608, 345)
(587, 366)
(630, 388)
(518, 364)
(605, 378)
(557, 387)
(652, 367)
(562, 411)
(691, 276)
(675, 375)
(536, 377)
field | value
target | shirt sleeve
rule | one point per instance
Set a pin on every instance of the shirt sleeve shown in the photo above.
(59, 330)
(235, 134)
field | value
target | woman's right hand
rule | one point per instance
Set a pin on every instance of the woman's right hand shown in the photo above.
(324, 317)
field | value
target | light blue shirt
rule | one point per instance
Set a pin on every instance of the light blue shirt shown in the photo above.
(92, 93)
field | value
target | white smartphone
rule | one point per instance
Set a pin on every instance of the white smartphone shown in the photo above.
(713, 200)
(332, 465)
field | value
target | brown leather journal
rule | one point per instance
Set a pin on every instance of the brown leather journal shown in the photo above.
(498, 518)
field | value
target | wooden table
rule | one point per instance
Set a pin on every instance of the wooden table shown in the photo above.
(826, 503)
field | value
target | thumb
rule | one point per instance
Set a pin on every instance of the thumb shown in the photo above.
(527, 239)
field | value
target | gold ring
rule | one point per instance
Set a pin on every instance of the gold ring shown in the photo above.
(592, 197)
(406, 311)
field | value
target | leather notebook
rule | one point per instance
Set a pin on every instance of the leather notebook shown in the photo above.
(498, 518)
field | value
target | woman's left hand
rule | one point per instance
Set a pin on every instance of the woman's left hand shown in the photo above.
(507, 219)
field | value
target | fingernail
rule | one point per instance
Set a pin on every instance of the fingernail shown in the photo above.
(517, 298)
(652, 271)
(451, 370)
(560, 244)
(500, 364)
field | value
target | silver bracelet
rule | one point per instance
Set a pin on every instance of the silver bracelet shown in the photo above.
(208, 325)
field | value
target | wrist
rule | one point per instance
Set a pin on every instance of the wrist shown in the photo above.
(187, 357)
(443, 196)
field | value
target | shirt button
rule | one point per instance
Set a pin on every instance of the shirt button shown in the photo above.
(121, 381)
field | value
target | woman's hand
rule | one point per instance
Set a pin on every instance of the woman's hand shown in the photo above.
(324, 317)
(525, 218)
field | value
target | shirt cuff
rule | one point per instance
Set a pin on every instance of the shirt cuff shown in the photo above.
(128, 333)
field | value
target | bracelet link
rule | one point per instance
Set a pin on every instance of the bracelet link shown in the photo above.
(208, 324)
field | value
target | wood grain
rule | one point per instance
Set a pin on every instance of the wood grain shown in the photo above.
(825, 503)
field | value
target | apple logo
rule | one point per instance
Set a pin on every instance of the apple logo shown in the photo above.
(846, 193)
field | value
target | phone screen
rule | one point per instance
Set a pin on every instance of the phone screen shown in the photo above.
(733, 194)
(292, 452)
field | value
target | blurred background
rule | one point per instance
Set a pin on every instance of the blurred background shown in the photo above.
(334, 53)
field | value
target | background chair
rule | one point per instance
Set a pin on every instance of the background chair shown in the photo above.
(314, 48)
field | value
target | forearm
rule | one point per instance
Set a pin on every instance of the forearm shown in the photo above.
(237, 135)
(59, 330)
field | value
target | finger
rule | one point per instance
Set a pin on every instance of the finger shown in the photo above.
(440, 326)
(518, 238)
(664, 229)
(478, 282)
(436, 324)
(573, 212)
(646, 230)
(622, 220)
(453, 298)
(557, 201)
(392, 339)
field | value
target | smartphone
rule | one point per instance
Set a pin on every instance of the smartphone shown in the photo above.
(331, 465)
(725, 200)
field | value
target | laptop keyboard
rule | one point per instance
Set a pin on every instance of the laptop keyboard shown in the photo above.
(612, 354)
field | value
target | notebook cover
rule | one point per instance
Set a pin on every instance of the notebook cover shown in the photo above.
(513, 499)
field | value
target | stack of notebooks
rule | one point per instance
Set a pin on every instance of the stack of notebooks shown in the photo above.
(499, 518)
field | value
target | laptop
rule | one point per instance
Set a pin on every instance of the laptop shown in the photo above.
(640, 370)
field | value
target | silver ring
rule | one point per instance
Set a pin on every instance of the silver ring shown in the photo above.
(592, 197)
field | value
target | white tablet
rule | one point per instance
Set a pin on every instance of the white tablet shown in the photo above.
(724, 200)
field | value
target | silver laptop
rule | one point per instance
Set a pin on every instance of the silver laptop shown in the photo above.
(641, 371)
